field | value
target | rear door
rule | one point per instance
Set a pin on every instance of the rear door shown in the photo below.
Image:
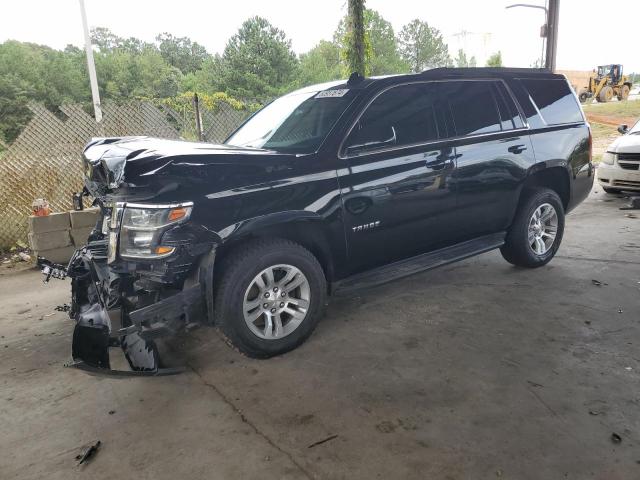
(493, 154)
(396, 182)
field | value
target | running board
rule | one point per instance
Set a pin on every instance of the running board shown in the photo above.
(419, 263)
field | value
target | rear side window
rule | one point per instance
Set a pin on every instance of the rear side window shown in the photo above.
(473, 107)
(403, 115)
(555, 100)
(508, 111)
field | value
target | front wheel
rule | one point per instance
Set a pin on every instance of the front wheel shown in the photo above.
(270, 296)
(536, 233)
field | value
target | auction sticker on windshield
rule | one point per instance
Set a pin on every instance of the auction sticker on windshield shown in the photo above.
(340, 92)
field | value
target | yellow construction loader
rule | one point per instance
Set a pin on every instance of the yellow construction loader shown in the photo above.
(605, 83)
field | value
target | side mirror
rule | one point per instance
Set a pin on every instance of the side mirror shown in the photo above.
(364, 144)
(623, 129)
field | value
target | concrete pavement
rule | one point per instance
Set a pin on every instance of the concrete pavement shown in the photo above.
(476, 370)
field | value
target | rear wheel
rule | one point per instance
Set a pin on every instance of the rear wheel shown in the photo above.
(584, 96)
(536, 233)
(270, 296)
(624, 93)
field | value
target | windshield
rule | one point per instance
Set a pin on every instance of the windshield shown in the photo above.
(295, 123)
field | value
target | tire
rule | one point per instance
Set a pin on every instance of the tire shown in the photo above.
(611, 190)
(518, 249)
(624, 93)
(606, 94)
(583, 97)
(238, 289)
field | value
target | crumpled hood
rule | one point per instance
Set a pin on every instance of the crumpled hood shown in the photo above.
(625, 144)
(145, 167)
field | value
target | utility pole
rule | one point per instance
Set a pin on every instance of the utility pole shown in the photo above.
(91, 66)
(552, 34)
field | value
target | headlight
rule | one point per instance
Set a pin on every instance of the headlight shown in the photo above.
(608, 158)
(142, 228)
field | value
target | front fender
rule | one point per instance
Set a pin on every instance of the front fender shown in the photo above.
(323, 238)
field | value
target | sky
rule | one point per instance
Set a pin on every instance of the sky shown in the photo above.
(481, 27)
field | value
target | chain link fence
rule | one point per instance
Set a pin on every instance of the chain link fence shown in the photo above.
(45, 160)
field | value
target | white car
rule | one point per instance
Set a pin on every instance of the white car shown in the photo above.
(620, 166)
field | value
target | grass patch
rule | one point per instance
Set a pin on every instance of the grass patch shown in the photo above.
(615, 109)
(600, 130)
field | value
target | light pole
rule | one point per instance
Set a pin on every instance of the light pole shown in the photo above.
(543, 29)
(91, 66)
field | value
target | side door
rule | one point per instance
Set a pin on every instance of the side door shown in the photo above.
(396, 179)
(493, 154)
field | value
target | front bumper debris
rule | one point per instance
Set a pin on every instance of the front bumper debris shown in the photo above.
(109, 321)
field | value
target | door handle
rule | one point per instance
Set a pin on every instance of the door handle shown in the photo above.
(516, 149)
(439, 163)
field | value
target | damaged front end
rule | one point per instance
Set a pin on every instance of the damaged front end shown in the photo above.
(144, 274)
(106, 308)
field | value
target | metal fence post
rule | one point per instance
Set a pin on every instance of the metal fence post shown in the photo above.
(196, 108)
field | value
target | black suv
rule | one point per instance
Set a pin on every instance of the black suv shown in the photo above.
(328, 188)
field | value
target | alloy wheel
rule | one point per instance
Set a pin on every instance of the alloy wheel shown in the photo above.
(276, 301)
(543, 228)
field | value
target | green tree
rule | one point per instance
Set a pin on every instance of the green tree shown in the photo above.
(35, 73)
(106, 41)
(461, 60)
(258, 62)
(320, 64)
(422, 46)
(205, 80)
(124, 75)
(495, 60)
(181, 52)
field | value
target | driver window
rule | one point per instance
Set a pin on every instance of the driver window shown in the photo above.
(403, 115)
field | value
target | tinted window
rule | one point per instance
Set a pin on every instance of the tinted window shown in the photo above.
(508, 110)
(555, 100)
(529, 109)
(403, 115)
(473, 107)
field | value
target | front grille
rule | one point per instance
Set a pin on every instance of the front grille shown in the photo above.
(629, 165)
(629, 156)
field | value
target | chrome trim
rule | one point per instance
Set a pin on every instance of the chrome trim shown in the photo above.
(155, 205)
(341, 150)
(424, 144)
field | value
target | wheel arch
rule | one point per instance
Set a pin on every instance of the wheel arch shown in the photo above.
(555, 178)
(307, 229)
